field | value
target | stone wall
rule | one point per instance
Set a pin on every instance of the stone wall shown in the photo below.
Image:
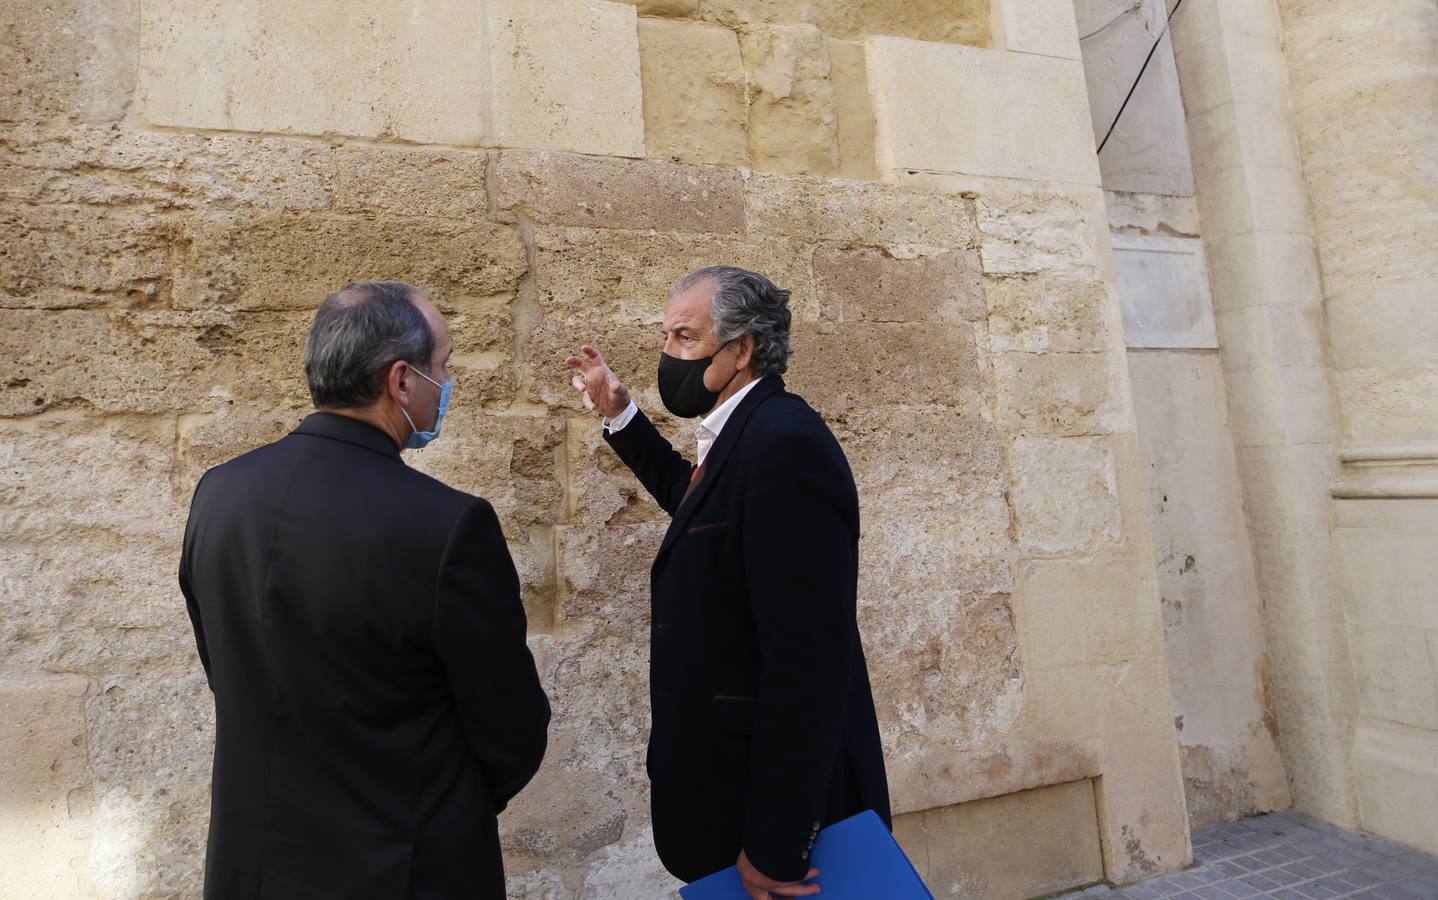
(1358, 76)
(179, 189)
(1212, 607)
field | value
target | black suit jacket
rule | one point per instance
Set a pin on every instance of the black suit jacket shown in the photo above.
(764, 727)
(376, 704)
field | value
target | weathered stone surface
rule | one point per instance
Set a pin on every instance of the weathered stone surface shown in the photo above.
(74, 59)
(562, 189)
(234, 66)
(866, 284)
(92, 516)
(45, 788)
(1037, 315)
(950, 21)
(1045, 27)
(1065, 494)
(792, 124)
(1034, 110)
(902, 366)
(281, 262)
(63, 257)
(857, 212)
(92, 165)
(1027, 233)
(566, 74)
(595, 679)
(694, 92)
(414, 182)
(1059, 393)
(853, 110)
(1057, 823)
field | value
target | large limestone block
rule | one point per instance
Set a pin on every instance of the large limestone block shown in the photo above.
(1045, 27)
(1395, 673)
(148, 170)
(564, 189)
(1065, 495)
(853, 110)
(694, 92)
(867, 284)
(284, 262)
(950, 21)
(428, 182)
(562, 75)
(1059, 393)
(792, 124)
(1038, 315)
(46, 805)
(67, 257)
(69, 60)
(902, 364)
(567, 76)
(1044, 232)
(92, 516)
(857, 212)
(388, 72)
(1398, 781)
(1084, 612)
(1025, 844)
(945, 108)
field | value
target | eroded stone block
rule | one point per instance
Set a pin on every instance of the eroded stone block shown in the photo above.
(561, 189)
(280, 262)
(857, 212)
(792, 124)
(930, 98)
(1037, 315)
(694, 92)
(1065, 494)
(867, 284)
(425, 182)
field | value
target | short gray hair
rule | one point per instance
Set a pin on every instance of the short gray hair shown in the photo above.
(358, 333)
(747, 303)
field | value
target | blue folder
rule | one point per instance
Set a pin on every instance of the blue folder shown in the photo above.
(857, 859)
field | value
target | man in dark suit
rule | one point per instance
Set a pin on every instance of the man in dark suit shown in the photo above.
(764, 728)
(361, 628)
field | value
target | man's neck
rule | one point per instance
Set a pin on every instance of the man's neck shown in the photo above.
(377, 415)
(741, 381)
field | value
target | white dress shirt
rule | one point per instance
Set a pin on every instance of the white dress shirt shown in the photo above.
(708, 431)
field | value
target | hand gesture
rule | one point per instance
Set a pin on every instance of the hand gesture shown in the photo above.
(597, 384)
(761, 887)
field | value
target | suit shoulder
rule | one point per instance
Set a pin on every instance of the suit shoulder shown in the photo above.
(787, 418)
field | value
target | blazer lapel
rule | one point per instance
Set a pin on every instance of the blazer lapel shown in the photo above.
(718, 455)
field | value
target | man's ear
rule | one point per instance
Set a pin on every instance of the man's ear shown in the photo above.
(746, 352)
(400, 382)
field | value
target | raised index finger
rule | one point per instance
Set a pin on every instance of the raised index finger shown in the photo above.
(579, 363)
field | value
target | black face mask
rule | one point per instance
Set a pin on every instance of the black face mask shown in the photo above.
(681, 384)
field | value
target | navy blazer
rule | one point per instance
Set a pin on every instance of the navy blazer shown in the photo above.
(376, 704)
(764, 727)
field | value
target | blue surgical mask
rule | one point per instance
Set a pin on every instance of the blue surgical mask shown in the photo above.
(417, 438)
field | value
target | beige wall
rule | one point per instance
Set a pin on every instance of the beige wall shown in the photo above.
(1212, 608)
(174, 207)
(1362, 76)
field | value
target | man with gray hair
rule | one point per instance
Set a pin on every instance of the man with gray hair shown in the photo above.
(764, 728)
(361, 628)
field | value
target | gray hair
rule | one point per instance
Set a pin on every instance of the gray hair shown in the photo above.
(358, 333)
(747, 303)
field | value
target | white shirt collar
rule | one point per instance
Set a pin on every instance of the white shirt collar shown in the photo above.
(714, 422)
